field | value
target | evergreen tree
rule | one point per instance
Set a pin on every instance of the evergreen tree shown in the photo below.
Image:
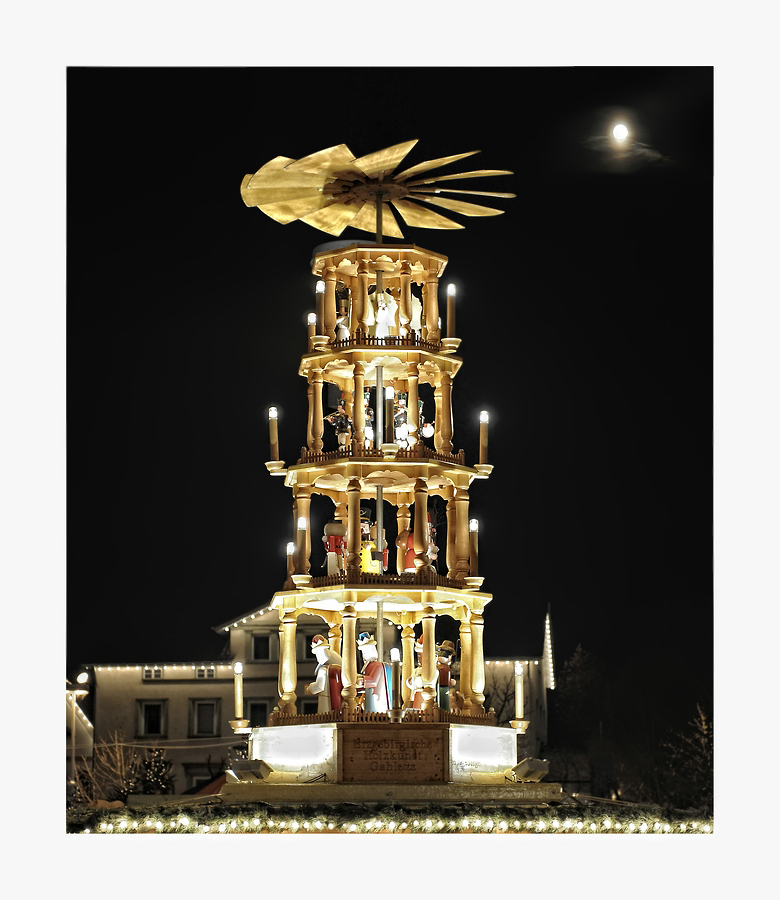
(155, 776)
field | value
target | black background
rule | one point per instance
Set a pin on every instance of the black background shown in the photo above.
(186, 319)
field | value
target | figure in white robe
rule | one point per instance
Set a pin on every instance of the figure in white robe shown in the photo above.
(327, 676)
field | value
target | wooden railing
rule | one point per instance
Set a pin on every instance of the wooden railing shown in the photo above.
(388, 580)
(418, 451)
(409, 716)
(361, 339)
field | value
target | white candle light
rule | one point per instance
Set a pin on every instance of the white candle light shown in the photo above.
(273, 426)
(395, 675)
(483, 436)
(238, 685)
(451, 310)
(518, 690)
(474, 546)
(312, 321)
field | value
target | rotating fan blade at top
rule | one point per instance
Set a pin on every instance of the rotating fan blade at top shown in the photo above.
(382, 160)
(458, 206)
(332, 189)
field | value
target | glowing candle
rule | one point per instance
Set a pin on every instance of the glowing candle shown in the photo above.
(290, 558)
(312, 320)
(273, 425)
(518, 690)
(483, 434)
(395, 678)
(451, 310)
(238, 685)
(474, 546)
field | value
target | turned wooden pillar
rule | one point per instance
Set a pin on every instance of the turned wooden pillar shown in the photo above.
(359, 409)
(421, 524)
(353, 530)
(329, 305)
(433, 332)
(407, 662)
(446, 412)
(477, 661)
(462, 542)
(316, 409)
(437, 438)
(310, 418)
(349, 658)
(302, 509)
(403, 517)
(288, 668)
(451, 532)
(465, 665)
(429, 672)
(363, 303)
(405, 298)
(413, 402)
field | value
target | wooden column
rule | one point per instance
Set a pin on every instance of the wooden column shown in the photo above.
(405, 298)
(477, 661)
(437, 438)
(288, 668)
(363, 307)
(302, 536)
(451, 532)
(462, 543)
(465, 664)
(407, 662)
(433, 332)
(310, 419)
(403, 517)
(329, 311)
(413, 402)
(316, 405)
(353, 530)
(429, 658)
(359, 409)
(349, 658)
(421, 524)
(446, 412)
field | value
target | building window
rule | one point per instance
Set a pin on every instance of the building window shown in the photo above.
(204, 717)
(152, 718)
(261, 646)
(152, 673)
(257, 712)
(205, 672)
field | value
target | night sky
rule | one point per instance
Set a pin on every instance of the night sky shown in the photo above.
(186, 317)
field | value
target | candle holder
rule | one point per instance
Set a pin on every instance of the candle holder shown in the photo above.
(319, 342)
(390, 450)
(521, 725)
(240, 726)
(301, 581)
(473, 582)
(450, 344)
(483, 469)
(275, 466)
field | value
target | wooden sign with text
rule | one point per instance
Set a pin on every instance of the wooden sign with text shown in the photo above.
(405, 754)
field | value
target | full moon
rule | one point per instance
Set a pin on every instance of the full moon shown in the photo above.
(620, 132)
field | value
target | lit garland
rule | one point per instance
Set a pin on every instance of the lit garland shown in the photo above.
(248, 819)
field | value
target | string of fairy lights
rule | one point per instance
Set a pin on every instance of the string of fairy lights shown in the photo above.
(488, 821)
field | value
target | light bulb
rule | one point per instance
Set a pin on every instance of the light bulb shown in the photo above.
(320, 287)
(290, 548)
(473, 525)
(483, 416)
(450, 290)
(302, 523)
(238, 668)
(395, 654)
(273, 412)
(312, 318)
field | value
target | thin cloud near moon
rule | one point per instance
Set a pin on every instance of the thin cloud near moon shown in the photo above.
(630, 150)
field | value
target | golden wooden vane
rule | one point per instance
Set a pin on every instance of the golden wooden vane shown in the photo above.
(332, 189)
